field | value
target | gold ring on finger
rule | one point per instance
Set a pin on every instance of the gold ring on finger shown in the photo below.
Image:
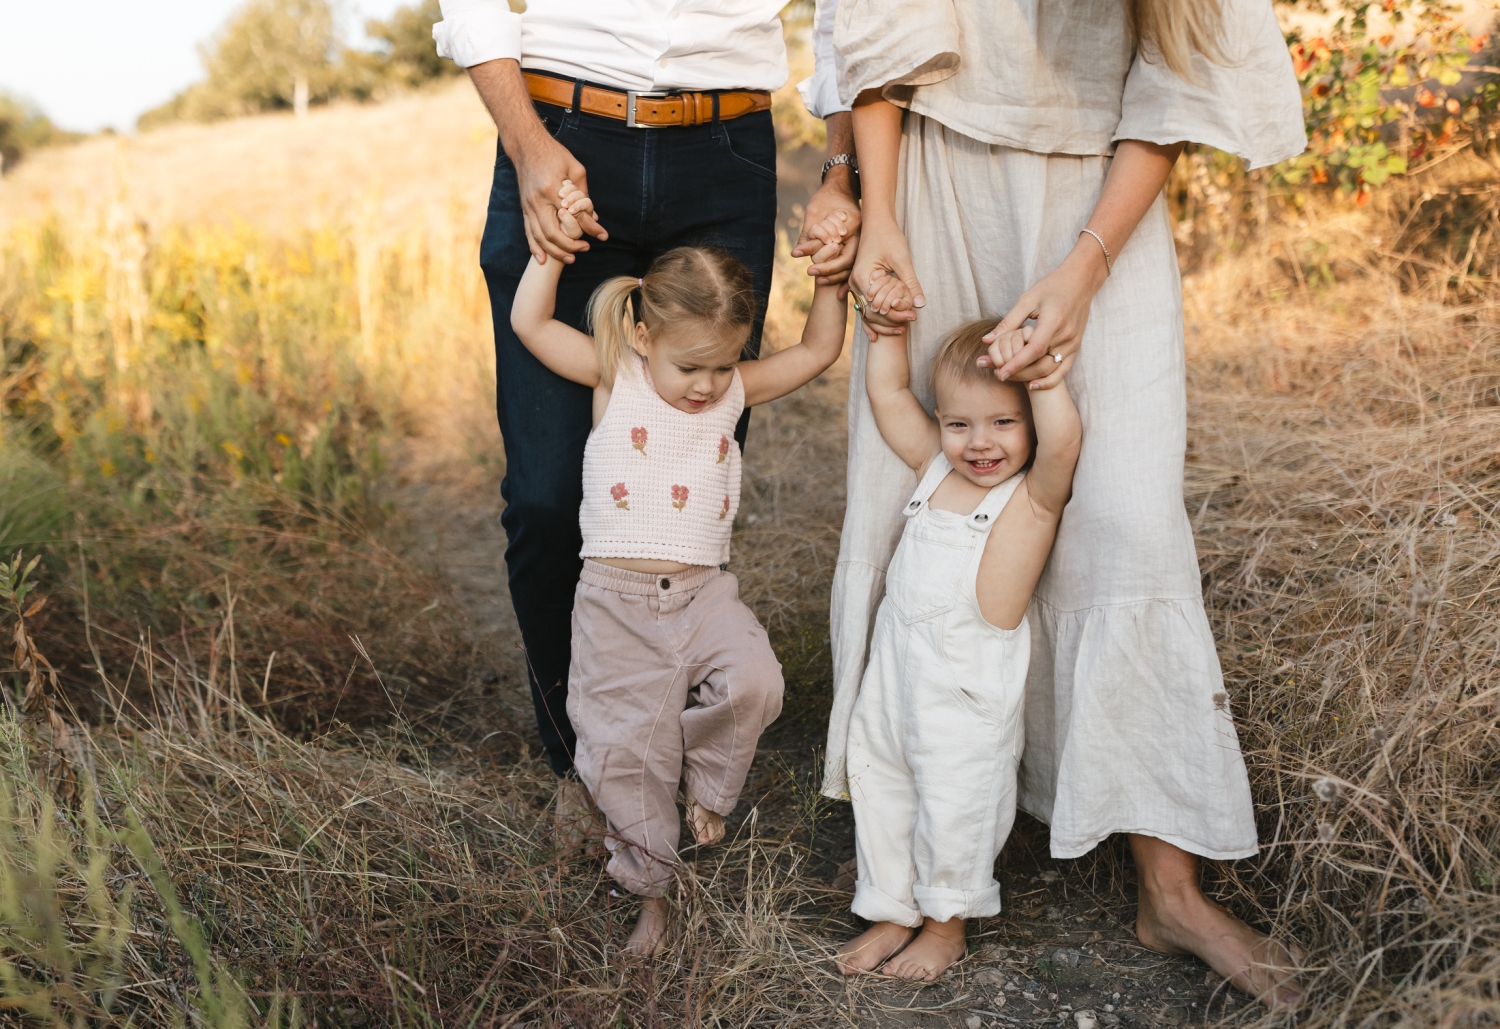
(860, 301)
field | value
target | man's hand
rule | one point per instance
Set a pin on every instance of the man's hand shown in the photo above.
(542, 164)
(833, 198)
(833, 203)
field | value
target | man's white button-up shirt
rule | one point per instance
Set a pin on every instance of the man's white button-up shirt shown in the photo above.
(628, 44)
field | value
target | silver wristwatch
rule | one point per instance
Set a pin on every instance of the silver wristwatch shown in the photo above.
(849, 159)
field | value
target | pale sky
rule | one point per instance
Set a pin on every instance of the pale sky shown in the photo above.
(95, 63)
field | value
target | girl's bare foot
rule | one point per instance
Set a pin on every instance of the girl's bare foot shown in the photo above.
(1174, 917)
(650, 933)
(707, 826)
(937, 946)
(873, 947)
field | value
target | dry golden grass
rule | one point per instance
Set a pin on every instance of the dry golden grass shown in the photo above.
(351, 833)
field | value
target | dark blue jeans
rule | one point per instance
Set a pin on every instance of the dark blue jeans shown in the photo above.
(653, 189)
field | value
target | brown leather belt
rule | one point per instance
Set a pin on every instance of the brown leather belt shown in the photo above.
(655, 110)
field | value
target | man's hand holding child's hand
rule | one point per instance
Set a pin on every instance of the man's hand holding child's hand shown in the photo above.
(573, 208)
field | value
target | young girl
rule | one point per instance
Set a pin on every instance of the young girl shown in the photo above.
(672, 679)
(936, 732)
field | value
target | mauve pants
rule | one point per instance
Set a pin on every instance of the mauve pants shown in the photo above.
(672, 681)
(653, 189)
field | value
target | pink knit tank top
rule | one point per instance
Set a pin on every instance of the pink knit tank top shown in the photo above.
(658, 482)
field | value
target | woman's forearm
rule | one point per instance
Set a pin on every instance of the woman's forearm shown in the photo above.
(1136, 177)
(877, 141)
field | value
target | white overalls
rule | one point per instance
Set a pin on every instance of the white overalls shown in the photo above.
(936, 734)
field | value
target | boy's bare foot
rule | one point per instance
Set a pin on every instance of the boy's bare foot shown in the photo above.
(650, 933)
(707, 826)
(1174, 917)
(937, 946)
(873, 947)
(574, 815)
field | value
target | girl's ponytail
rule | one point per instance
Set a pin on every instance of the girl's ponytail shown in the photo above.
(611, 319)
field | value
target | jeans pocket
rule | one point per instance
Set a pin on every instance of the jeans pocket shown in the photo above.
(752, 142)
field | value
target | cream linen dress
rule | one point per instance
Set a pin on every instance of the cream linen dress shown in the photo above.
(1014, 109)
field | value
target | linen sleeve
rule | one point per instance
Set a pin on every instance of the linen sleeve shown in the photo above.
(1251, 106)
(820, 91)
(897, 44)
(475, 31)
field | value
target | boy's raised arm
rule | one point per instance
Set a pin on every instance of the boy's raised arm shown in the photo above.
(1059, 433)
(905, 425)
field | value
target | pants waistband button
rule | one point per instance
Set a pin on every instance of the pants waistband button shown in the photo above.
(666, 584)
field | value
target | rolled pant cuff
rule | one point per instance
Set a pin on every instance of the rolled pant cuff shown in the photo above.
(626, 868)
(941, 904)
(874, 906)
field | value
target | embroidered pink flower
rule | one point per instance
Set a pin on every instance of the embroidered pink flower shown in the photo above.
(638, 438)
(723, 449)
(724, 513)
(619, 492)
(679, 497)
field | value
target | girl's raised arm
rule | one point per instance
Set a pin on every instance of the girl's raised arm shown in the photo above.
(563, 349)
(778, 374)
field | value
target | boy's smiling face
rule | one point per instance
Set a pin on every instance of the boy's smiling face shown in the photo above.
(984, 428)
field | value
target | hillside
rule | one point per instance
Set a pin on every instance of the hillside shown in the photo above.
(410, 158)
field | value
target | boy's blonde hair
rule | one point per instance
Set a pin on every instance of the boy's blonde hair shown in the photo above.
(704, 284)
(957, 359)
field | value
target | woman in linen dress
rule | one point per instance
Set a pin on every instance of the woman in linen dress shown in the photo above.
(1018, 126)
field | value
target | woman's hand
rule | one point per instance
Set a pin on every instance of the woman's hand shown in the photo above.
(1059, 304)
(887, 293)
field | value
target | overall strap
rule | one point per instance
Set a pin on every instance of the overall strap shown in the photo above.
(985, 515)
(937, 471)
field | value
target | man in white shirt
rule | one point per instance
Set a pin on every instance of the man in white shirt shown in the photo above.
(660, 110)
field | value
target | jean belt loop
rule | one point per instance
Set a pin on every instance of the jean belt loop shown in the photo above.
(577, 100)
(718, 126)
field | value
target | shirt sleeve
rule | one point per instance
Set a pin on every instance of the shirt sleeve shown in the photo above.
(475, 31)
(820, 92)
(1250, 106)
(896, 44)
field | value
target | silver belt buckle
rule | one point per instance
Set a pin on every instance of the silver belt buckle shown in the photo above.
(630, 98)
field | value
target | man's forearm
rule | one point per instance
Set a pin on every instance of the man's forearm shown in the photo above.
(503, 91)
(840, 128)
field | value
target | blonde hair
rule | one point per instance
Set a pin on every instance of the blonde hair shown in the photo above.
(957, 359)
(1172, 31)
(703, 284)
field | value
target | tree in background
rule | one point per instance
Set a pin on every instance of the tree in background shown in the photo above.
(23, 128)
(285, 54)
(274, 54)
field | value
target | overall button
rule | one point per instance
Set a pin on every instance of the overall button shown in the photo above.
(666, 584)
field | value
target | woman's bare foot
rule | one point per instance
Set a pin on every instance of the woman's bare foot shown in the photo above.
(707, 826)
(873, 947)
(650, 933)
(1175, 917)
(937, 946)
